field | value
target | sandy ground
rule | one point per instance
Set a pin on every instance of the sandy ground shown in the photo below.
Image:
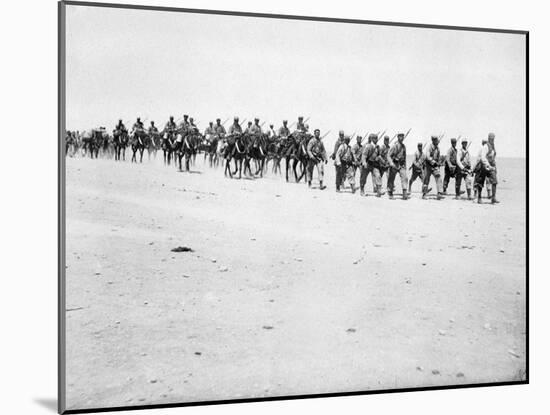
(288, 290)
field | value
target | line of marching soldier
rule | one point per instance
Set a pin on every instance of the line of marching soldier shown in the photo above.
(378, 159)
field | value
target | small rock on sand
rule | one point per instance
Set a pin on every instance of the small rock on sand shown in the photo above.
(419, 368)
(442, 332)
(436, 372)
(223, 269)
(268, 327)
(153, 381)
(182, 249)
(460, 375)
(351, 330)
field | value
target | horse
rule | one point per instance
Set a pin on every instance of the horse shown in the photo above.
(152, 144)
(168, 146)
(274, 153)
(120, 141)
(236, 150)
(258, 152)
(137, 141)
(186, 147)
(295, 150)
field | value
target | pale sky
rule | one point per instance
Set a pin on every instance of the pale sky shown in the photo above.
(125, 63)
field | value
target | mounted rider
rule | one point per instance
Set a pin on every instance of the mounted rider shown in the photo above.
(300, 126)
(256, 129)
(235, 128)
(219, 129)
(284, 131)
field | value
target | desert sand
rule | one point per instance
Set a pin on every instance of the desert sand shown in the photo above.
(287, 290)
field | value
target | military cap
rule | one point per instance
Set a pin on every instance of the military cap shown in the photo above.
(171, 117)
(217, 119)
(300, 117)
(386, 137)
(341, 132)
(434, 137)
(152, 122)
(491, 135)
(285, 121)
(271, 125)
(464, 140)
(256, 119)
(453, 140)
(139, 118)
(420, 145)
(346, 138)
(372, 135)
(399, 135)
(236, 118)
(316, 130)
(120, 121)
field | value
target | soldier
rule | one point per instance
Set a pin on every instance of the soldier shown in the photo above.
(120, 127)
(417, 166)
(248, 128)
(464, 171)
(397, 159)
(138, 125)
(284, 132)
(271, 133)
(235, 128)
(256, 129)
(357, 151)
(219, 129)
(486, 169)
(383, 150)
(451, 167)
(317, 157)
(170, 126)
(210, 130)
(370, 165)
(431, 167)
(339, 141)
(300, 125)
(192, 125)
(153, 130)
(344, 165)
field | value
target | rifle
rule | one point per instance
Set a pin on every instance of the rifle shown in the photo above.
(353, 135)
(227, 119)
(327, 133)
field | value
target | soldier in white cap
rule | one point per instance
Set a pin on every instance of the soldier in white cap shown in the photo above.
(486, 169)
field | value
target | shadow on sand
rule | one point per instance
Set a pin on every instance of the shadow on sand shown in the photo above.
(48, 403)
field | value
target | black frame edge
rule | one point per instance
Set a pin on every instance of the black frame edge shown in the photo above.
(290, 17)
(61, 328)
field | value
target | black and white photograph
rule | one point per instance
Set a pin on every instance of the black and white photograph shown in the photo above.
(266, 206)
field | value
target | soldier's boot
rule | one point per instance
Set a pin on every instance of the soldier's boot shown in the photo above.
(424, 191)
(390, 194)
(362, 190)
(494, 194)
(478, 191)
(321, 186)
(353, 188)
(309, 183)
(458, 193)
(440, 195)
(410, 187)
(489, 196)
(379, 191)
(469, 191)
(405, 194)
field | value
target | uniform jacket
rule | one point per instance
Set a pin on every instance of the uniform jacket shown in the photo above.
(316, 149)
(235, 129)
(398, 155)
(344, 155)
(432, 155)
